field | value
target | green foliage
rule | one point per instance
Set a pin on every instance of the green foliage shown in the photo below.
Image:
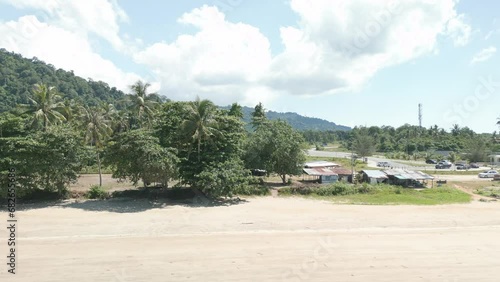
(137, 155)
(142, 105)
(44, 108)
(200, 124)
(201, 134)
(258, 115)
(334, 189)
(236, 111)
(48, 160)
(477, 150)
(251, 190)
(97, 192)
(223, 179)
(276, 147)
(364, 145)
(12, 125)
(408, 139)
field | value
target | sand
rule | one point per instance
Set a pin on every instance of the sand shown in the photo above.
(262, 239)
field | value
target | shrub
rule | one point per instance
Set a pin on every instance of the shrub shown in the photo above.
(97, 192)
(223, 179)
(251, 190)
(365, 188)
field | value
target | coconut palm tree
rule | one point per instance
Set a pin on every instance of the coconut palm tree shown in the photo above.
(200, 124)
(142, 104)
(97, 128)
(45, 107)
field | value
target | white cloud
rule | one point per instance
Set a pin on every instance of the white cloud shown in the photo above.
(459, 31)
(223, 61)
(99, 17)
(61, 48)
(340, 45)
(337, 46)
(483, 55)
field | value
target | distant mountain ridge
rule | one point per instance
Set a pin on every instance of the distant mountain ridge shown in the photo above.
(297, 121)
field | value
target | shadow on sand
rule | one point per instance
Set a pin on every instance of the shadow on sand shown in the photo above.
(133, 201)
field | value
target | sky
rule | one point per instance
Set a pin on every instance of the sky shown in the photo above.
(355, 63)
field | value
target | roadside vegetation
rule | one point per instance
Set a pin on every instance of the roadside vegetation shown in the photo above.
(366, 194)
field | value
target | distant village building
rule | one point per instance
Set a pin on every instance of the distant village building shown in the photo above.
(494, 159)
(323, 171)
(373, 176)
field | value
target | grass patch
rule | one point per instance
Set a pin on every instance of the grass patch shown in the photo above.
(366, 194)
(343, 162)
(491, 190)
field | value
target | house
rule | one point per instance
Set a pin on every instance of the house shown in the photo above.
(494, 159)
(322, 175)
(374, 176)
(343, 173)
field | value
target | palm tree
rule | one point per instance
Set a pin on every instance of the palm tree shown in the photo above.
(121, 122)
(97, 129)
(44, 107)
(142, 104)
(200, 124)
(69, 109)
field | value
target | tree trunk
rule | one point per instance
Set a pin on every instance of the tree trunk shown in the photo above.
(283, 178)
(199, 145)
(99, 168)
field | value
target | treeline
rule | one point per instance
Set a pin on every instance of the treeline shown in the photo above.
(410, 140)
(49, 140)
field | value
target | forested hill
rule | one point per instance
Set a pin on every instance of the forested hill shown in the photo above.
(18, 75)
(297, 121)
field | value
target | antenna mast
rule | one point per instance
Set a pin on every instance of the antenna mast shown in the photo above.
(420, 115)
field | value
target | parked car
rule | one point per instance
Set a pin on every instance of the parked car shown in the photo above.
(383, 164)
(430, 161)
(474, 165)
(462, 166)
(443, 164)
(488, 174)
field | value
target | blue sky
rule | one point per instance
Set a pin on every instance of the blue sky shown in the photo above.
(351, 62)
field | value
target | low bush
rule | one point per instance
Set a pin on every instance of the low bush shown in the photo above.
(97, 192)
(251, 190)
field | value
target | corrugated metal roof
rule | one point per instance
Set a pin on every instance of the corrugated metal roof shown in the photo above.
(375, 174)
(320, 164)
(408, 174)
(318, 171)
(341, 171)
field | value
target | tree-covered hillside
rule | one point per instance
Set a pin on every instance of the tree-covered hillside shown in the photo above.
(297, 121)
(18, 75)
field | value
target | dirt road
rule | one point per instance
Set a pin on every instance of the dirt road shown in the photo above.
(264, 239)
